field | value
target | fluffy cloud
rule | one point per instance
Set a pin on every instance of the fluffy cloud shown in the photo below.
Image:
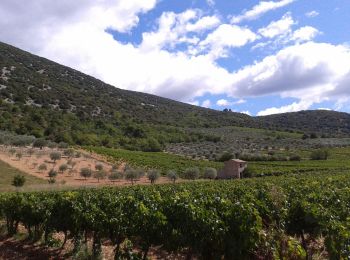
(295, 70)
(227, 36)
(306, 33)
(260, 9)
(223, 103)
(279, 27)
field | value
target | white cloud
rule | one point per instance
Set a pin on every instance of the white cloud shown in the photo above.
(312, 14)
(223, 103)
(206, 103)
(240, 101)
(260, 9)
(227, 36)
(306, 33)
(279, 27)
(294, 107)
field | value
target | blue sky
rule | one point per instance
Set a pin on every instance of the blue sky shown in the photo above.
(255, 57)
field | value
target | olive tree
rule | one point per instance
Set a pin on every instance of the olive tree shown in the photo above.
(54, 156)
(85, 173)
(153, 176)
(210, 173)
(172, 176)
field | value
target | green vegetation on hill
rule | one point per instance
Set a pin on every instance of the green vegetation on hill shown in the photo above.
(41, 98)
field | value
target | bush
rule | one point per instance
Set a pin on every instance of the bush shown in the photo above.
(115, 175)
(99, 167)
(85, 173)
(40, 143)
(99, 175)
(18, 180)
(132, 175)
(191, 173)
(172, 176)
(63, 168)
(321, 154)
(52, 173)
(210, 173)
(54, 156)
(225, 157)
(19, 155)
(42, 167)
(153, 176)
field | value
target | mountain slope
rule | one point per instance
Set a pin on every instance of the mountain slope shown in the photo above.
(42, 98)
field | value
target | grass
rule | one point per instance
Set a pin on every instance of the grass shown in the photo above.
(6, 176)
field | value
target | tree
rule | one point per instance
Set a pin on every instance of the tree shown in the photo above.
(52, 173)
(191, 173)
(69, 152)
(19, 155)
(55, 156)
(210, 173)
(42, 167)
(99, 175)
(40, 143)
(31, 152)
(115, 175)
(18, 180)
(153, 176)
(85, 173)
(62, 145)
(99, 167)
(172, 176)
(225, 157)
(63, 168)
(132, 175)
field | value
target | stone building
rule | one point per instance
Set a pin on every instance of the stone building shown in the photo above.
(232, 169)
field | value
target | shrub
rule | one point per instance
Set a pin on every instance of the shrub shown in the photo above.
(40, 143)
(132, 175)
(63, 168)
(62, 145)
(321, 154)
(153, 176)
(172, 176)
(225, 157)
(115, 175)
(99, 167)
(18, 180)
(42, 167)
(52, 173)
(85, 173)
(210, 173)
(191, 173)
(54, 156)
(100, 175)
(69, 152)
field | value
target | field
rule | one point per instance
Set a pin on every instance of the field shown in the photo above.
(7, 173)
(153, 160)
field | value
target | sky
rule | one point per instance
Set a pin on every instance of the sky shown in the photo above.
(254, 57)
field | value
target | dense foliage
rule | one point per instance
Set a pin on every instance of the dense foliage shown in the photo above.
(257, 218)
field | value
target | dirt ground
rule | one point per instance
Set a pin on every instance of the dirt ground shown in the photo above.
(29, 163)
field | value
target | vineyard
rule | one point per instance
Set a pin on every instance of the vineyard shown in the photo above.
(262, 218)
(153, 160)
